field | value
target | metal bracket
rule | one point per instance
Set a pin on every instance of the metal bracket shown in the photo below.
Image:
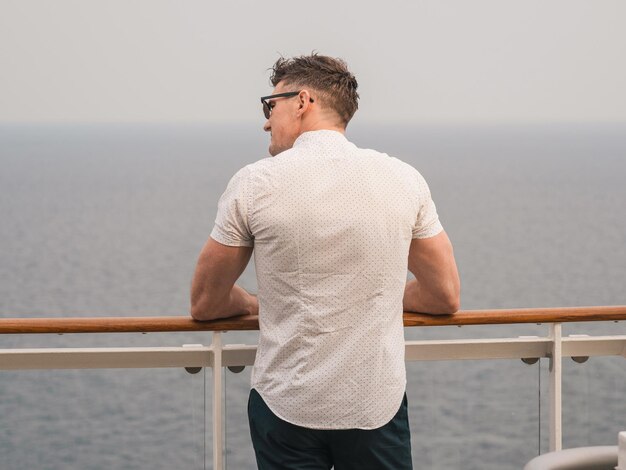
(530, 360)
(193, 370)
(579, 359)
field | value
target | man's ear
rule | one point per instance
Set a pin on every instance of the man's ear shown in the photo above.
(304, 98)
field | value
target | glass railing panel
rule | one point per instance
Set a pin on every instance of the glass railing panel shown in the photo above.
(481, 415)
(594, 406)
(239, 453)
(544, 406)
(103, 419)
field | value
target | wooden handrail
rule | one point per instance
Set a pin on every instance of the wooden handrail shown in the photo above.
(250, 322)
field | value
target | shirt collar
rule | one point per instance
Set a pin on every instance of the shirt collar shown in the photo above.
(324, 136)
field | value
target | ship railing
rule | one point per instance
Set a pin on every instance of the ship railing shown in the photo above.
(218, 356)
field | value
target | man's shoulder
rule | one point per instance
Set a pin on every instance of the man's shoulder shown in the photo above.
(270, 164)
(257, 166)
(262, 170)
(405, 167)
(389, 161)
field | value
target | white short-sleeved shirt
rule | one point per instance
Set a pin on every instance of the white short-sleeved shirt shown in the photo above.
(331, 226)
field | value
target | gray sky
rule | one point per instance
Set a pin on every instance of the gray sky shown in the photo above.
(416, 61)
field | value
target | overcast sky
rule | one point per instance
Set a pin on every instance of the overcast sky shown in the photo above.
(416, 61)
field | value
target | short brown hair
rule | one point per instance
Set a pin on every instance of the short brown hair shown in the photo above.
(328, 76)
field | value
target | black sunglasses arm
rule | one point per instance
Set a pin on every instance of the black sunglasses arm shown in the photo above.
(283, 95)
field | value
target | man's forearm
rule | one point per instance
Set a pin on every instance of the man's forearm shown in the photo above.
(238, 302)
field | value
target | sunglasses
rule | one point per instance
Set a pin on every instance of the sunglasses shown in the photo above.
(267, 109)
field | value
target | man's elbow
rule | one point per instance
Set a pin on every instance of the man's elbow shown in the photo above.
(198, 314)
(201, 310)
(449, 303)
(452, 305)
(452, 296)
(453, 299)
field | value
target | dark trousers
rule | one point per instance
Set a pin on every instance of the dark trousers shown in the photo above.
(280, 445)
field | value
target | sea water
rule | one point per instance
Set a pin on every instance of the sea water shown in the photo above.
(108, 220)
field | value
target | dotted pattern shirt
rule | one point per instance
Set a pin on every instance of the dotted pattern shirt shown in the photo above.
(331, 226)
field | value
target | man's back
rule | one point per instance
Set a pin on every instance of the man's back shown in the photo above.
(331, 225)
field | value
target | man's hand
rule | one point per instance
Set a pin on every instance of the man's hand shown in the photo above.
(213, 290)
(436, 287)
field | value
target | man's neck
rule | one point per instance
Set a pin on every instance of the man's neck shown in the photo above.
(321, 125)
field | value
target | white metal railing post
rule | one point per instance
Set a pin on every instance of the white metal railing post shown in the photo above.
(218, 435)
(556, 376)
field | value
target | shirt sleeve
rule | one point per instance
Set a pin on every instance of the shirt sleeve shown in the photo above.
(427, 223)
(231, 223)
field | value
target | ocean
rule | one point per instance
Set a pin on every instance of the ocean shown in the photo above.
(108, 220)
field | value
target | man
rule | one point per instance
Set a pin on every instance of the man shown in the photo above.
(333, 228)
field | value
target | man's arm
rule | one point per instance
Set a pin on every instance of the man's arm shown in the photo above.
(436, 287)
(213, 290)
